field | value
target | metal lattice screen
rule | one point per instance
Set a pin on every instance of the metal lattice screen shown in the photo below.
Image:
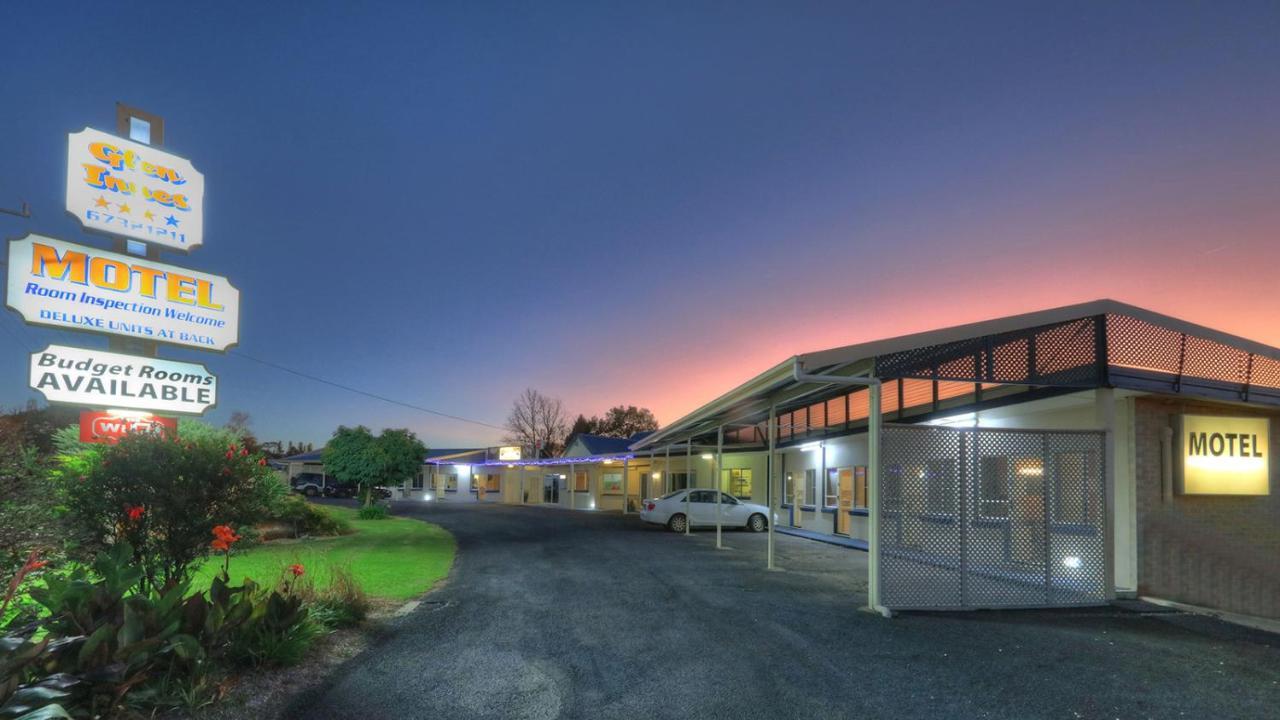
(982, 518)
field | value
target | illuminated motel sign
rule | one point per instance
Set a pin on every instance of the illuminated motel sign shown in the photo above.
(125, 188)
(77, 287)
(509, 452)
(1225, 455)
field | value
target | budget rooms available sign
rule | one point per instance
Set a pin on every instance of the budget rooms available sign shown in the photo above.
(98, 378)
(109, 427)
(77, 287)
(126, 188)
(1225, 455)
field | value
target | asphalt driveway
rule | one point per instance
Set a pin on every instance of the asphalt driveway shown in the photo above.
(553, 614)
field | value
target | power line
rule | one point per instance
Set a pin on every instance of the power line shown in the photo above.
(358, 391)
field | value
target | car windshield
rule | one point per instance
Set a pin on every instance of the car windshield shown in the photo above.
(671, 495)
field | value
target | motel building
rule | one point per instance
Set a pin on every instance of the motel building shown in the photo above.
(1065, 457)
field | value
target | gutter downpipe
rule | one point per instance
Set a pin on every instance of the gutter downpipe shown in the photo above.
(874, 425)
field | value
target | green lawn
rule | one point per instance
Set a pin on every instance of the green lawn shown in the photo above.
(393, 559)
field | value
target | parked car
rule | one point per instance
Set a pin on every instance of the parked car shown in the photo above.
(309, 484)
(337, 489)
(670, 510)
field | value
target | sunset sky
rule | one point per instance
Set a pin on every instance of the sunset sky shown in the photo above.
(448, 204)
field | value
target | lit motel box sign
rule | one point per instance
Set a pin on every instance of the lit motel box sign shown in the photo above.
(125, 188)
(98, 378)
(509, 452)
(77, 287)
(110, 426)
(1225, 455)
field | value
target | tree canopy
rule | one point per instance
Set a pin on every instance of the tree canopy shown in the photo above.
(620, 421)
(355, 455)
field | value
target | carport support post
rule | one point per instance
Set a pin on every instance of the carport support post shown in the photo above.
(715, 479)
(626, 491)
(573, 482)
(688, 484)
(874, 426)
(770, 484)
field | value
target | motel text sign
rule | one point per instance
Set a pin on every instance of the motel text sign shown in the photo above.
(1225, 455)
(125, 188)
(77, 287)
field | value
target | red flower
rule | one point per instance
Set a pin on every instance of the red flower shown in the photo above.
(223, 538)
(244, 452)
(262, 461)
(297, 570)
(231, 454)
(134, 512)
(36, 564)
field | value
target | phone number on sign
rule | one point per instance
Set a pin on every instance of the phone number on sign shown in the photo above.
(108, 219)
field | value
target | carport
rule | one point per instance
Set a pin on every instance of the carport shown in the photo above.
(1000, 459)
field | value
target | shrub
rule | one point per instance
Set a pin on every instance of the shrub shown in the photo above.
(374, 512)
(308, 518)
(163, 496)
(343, 603)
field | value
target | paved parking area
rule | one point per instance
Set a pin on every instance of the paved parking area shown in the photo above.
(552, 614)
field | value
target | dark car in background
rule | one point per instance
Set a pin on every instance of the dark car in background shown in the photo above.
(335, 489)
(309, 484)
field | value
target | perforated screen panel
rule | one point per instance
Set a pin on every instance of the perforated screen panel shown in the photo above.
(986, 518)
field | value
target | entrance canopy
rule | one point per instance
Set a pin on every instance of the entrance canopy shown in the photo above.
(1103, 343)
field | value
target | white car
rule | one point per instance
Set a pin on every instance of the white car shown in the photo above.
(670, 510)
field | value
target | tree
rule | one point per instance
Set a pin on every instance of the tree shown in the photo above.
(585, 425)
(626, 421)
(356, 456)
(537, 423)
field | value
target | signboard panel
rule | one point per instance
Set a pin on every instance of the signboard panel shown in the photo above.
(108, 428)
(126, 188)
(1225, 455)
(77, 287)
(98, 378)
(509, 452)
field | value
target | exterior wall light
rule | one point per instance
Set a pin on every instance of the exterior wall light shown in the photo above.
(708, 456)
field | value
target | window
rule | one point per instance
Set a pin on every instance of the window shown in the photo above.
(993, 487)
(860, 487)
(493, 482)
(940, 487)
(611, 483)
(736, 481)
(833, 488)
(727, 499)
(680, 481)
(417, 481)
(891, 488)
(1075, 499)
(811, 486)
(789, 489)
(451, 482)
(580, 482)
(702, 496)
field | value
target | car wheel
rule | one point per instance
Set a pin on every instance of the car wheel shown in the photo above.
(756, 523)
(310, 492)
(676, 523)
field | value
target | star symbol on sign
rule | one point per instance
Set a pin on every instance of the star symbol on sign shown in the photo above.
(124, 208)
(148, 215)
(171, 220)
(101, 202)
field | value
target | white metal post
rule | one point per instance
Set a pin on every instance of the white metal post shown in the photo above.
(573, 482)
(688, 485)
(773, 470)
(716, 472)
(666, 472)
(874, 424)
(626, 490)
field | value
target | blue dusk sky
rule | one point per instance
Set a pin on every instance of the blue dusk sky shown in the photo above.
(648, 203)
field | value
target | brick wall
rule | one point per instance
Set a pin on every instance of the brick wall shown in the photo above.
(1221, 552)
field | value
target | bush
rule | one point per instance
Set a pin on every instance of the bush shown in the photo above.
(342, 604)
(374, 511)
(163, 496)
(106, 644)
(309, 518)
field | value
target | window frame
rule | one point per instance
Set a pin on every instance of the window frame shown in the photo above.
(621, 480)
